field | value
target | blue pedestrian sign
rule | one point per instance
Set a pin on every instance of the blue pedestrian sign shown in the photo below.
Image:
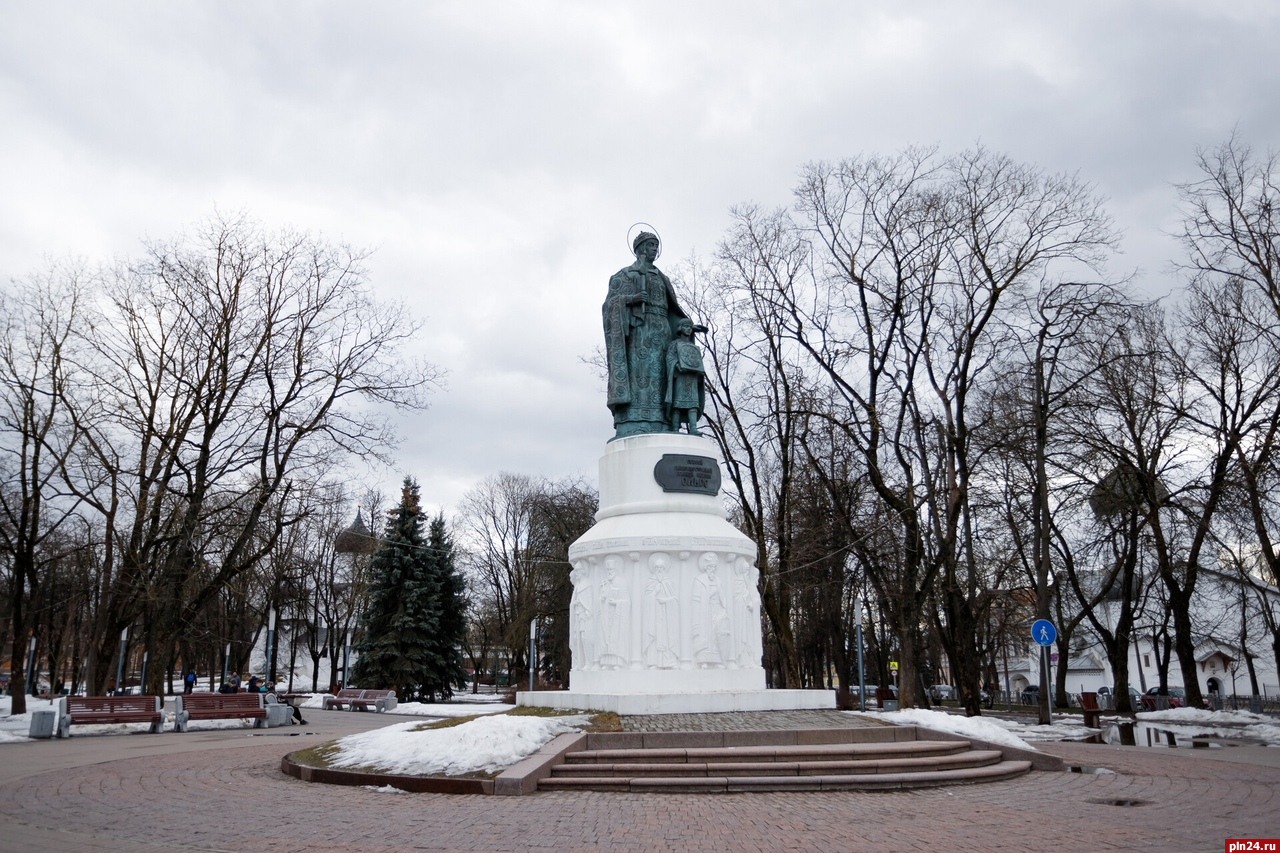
(1043, 632)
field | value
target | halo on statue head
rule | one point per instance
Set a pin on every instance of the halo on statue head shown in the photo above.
(636, 230)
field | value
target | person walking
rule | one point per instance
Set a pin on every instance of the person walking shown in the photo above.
(189, 681)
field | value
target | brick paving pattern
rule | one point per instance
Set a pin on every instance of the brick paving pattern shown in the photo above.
(236, 799)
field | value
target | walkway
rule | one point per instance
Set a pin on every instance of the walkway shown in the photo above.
(223, 791)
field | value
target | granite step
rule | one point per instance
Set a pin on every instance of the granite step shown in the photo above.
(780, 767)
(831, 782)
(788, 752)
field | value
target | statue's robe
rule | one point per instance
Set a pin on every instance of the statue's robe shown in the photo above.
(640, 313)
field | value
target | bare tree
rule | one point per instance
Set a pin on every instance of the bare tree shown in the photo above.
(517, 530)
(913, 263)
(226, 365)
(36, 436)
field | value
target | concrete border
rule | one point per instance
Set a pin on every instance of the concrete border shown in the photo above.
(415, 784)
(1039, 760)
(523, 778)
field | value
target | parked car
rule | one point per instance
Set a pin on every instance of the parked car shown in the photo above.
(942, 692)
(1030, 694)
(1135, 697)
(1177, 698)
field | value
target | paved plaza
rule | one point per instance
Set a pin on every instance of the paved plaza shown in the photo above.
(223, 790)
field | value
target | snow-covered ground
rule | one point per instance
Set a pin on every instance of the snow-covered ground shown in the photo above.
(1196, 723)
(488, 744)
(989, 729)
(1185, 723)
(459, 706)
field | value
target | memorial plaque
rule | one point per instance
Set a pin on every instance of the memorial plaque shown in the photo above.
(680, 473)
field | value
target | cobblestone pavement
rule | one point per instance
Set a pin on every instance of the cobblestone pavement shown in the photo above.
(744, 721)
(236, 799)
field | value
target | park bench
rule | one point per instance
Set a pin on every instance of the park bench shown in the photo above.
(351, 698)
(100, 710)
(381, 700)
(219, 706)
(1089, 706)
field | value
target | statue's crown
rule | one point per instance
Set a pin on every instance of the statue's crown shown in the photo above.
(641, 237)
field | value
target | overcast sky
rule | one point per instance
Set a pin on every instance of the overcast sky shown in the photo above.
(494, 155)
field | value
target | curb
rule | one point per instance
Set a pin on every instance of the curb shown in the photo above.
(414, 784)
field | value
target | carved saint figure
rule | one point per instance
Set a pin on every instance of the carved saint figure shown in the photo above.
(613, 615)
(686, 381)
(640, 313)
(746, 605)
(661, 616)
(711, 629)
(582, 642)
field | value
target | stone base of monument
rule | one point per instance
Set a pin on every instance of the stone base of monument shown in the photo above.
(665, 614)
(632, 704)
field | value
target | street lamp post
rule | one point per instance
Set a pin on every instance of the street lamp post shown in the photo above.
(533, 649)
(124, 636)
(31, 667)
(346, 662)
(862, 684)
(271, 639)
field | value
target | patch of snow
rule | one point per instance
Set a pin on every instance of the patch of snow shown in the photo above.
(990, 729)
(1199, 715)
(9, 736)
(439, 710)
(384, 789)
(488, 744)
(448, 709)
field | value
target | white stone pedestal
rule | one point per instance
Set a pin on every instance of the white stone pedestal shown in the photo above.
(665, 615)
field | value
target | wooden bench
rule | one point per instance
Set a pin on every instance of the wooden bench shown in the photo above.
(351, 698)
(106, 710)
(1092, 713)
(219, 706)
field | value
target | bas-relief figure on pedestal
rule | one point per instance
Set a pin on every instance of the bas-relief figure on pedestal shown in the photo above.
(712, 633)
(614, 610)
(746, 606)
(661, 616)
(582, 641)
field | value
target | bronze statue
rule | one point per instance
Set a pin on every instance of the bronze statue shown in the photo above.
(641, 320)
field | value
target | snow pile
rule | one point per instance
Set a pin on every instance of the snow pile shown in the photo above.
(980, 728)
(1198, 715)
(1197, 723)
(488, 744)
(440, 710)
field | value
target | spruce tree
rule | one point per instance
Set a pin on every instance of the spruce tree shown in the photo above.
(449, 589)
(413, 626)
(402, 615)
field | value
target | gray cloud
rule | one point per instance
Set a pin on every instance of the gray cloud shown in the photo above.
(494, 155)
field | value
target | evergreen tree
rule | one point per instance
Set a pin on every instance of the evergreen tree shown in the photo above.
(445, 644)
(413, 625)
(402, 613)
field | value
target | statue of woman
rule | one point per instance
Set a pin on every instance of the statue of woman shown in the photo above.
(640, 316)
